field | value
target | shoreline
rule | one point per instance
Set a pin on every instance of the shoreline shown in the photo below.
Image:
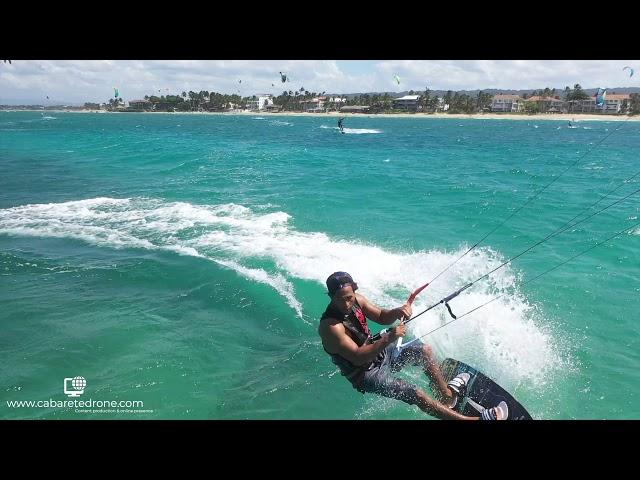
(566, 117)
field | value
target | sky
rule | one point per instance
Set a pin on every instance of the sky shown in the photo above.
(79, 81)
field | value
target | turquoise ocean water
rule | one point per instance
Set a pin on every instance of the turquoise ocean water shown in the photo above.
(179, 260)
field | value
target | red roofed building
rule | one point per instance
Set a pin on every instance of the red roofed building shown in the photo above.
(548, 104)
(614, 103)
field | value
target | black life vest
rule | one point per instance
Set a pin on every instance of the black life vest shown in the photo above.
(355, 323)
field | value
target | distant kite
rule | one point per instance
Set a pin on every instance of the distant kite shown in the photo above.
(601, 96)
(397, 79)
(630, 71)
(284, 78)
(115, 92)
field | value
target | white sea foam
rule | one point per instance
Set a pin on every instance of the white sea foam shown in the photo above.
(507, 337)
(354, 131)
(360, 131)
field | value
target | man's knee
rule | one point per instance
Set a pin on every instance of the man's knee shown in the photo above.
(427, 352)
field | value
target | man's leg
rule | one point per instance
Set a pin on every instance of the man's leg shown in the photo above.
(437, 409)
(381, 382)
(432, 370)
(422, 354)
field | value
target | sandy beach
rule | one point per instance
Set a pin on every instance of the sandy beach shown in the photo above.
(479, 116)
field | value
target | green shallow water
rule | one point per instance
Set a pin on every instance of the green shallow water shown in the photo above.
(179, 260)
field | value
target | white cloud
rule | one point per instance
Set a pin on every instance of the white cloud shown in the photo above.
(77, 81)
(508, 74)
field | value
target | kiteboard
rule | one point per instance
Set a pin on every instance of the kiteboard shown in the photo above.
(481, 392)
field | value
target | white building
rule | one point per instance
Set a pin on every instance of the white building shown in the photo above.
(315, 105)
(506, 103)
(334, 103)
(582, 106)
(140, 104)
(408, 102)
(614, 103)
(259, 102)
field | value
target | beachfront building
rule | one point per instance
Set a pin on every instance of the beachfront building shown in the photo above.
(355, 109)
(614, 104)
(334, 103)
(507, 103)
(547, 104)
(409, 103)
(141, 105)
(315, 105)
(582, 106)
(259, 102)
(436, 105)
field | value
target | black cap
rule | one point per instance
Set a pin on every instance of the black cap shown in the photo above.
(338, 280)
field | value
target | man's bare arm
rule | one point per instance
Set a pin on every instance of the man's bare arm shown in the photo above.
(337, 341)
(382, 315)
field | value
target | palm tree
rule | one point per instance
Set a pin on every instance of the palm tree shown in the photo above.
(578, 93)
(425, 98)
(435, 102)
(447, 97)
(634, 104)
(386, 101)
